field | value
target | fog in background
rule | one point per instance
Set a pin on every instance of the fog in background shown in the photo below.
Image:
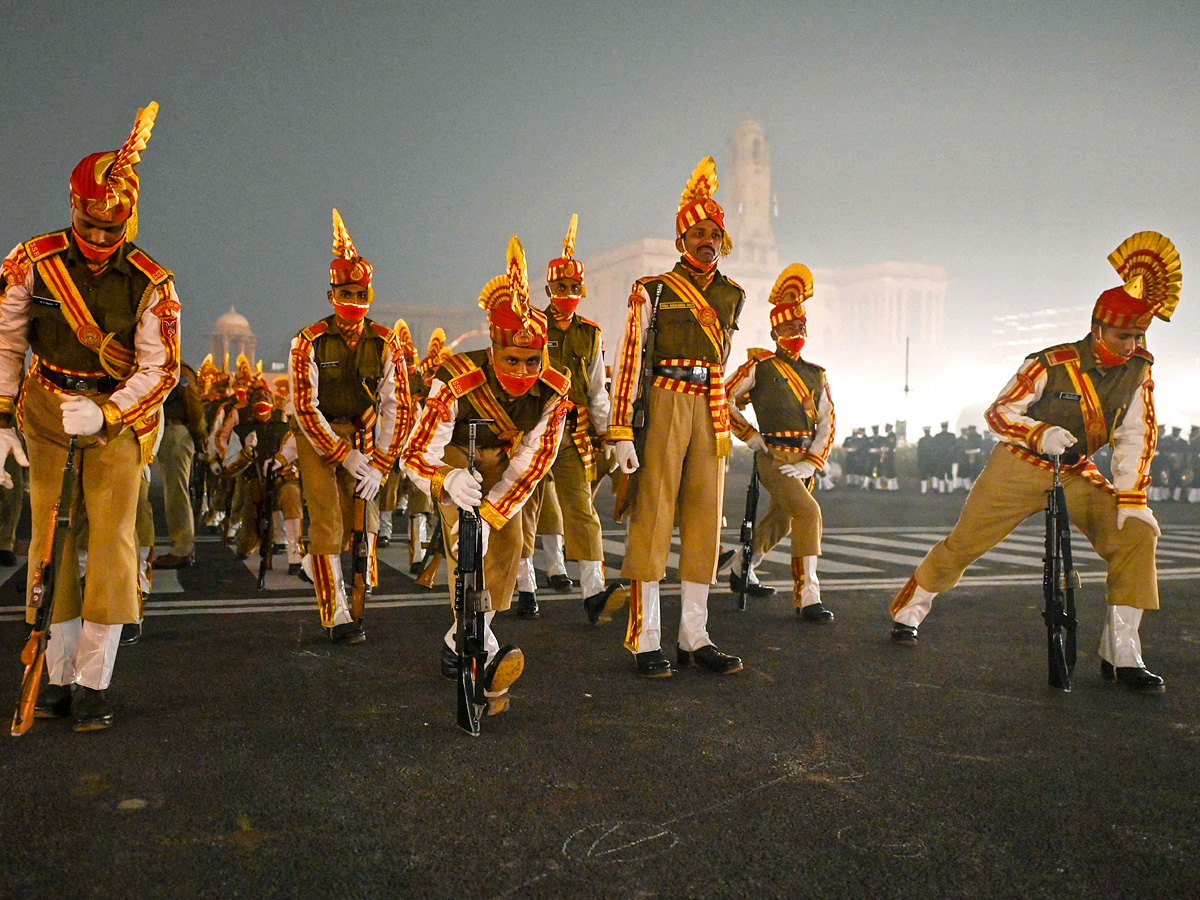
(1014, 143)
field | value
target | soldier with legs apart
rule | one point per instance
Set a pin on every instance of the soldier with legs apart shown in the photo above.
(794, 408)
(1067, 402)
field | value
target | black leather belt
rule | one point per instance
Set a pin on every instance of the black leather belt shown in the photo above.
(80, 384)
(797, 443)
(1069, 458)
(691, 374)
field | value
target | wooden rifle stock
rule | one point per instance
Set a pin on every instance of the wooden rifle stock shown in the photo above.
(41, 595)
(434, 556)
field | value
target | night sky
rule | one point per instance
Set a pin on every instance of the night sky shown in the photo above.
(1014, 143)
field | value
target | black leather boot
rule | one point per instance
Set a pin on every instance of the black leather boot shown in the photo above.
(55, 702)
(1135, 679)
(710, 659)
(903, 634)
(654, 664)
(754, 589)
(601, 607)
(90, 710)
(347, 633)
(527, 605)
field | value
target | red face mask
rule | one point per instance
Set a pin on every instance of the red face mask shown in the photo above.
(241, 394)
(350, 312)
(701, 266)
(517, 385)
(1107, 356)
(95, 252)
(262, 410)
(792, 345)
(564, 307)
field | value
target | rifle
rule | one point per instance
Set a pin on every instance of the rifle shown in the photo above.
(266, 519)
(230, 484)
(196, 484)
(470, 605)
(41, 597)
(747, 535)
(360, 547)
(1059, 580)
(434, 554)
(626, 490)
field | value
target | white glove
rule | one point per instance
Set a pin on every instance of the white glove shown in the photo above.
(626, 456)
(464, 489)
(81, 416)
(356, 463)
(1056, 440)
(757, 443)
(1125, 513)
(800, 470)
(10, 443)
(368, 483)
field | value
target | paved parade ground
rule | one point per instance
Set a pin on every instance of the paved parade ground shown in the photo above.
(252, 758)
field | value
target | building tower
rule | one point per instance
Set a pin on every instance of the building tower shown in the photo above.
(232, 335)
(748, 204)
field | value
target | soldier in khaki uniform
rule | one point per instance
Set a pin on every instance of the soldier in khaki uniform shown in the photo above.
(183, 432)
(527, 401)
(795, 415)
(350, 392)
(1069, 401)
(102, 320)
(576, 346)
(268, 444)
(392, 494)
(682, 476)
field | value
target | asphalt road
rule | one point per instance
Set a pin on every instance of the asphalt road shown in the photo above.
(252, 758)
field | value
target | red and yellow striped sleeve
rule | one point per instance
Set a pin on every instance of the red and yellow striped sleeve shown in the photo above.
(737, 386)
(822, 444)
(627, 373)
(1134, 443)
(302, 373)
(423, 456)
(156, 359)
(395, 408)
(1006, 416)
(530, 461)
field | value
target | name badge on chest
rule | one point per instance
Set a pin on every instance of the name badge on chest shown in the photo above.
(328, 365)
(45, 301)
(551, 343)
(1067, 395)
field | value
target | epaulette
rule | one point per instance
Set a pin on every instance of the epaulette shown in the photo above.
(465, 376)
(1063, 353)
(315, 330)
(1143, 353)
(758, 354)
(44, 245)
(382, 331)
(813, 365)
(734, 283)
(140, 259)
(587, 321)
(560, 382)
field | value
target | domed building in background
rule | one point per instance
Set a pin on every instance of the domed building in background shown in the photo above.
(232, 335)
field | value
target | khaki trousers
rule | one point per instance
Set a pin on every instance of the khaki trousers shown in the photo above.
(176, 455)
(287, 501)
(681, 477)
(582, 534)
(110, 476)
(506, 545)
(791, 508)
(12, 501)
(329, 491)
(550, 517)
(1010, 490)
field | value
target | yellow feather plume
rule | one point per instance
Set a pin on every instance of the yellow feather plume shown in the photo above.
(569, 240)
(130, 153)
(343, 245)
(402, 331)
(1149, 265)
(437, 341)
(702, 184)
(794, 285)
(494, 293)
(518, 278)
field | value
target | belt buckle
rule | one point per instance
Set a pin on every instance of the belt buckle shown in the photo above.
(699, 374)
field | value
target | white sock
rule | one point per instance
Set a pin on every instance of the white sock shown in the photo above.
(693, 616)
(341, 607)
(552, 546)
(291, 528)
(591, 577)
(96, 655)
(917, 609)
(810, 594)
(1120, 643)
(60, 651)
(526, 580)
(650, 636)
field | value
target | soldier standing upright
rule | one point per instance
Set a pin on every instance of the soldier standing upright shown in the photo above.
(526, 401)
(102, 320)
(350, 392)
(925, 460)
(945, 448)
(795, 432)
(1081, 395)
(183, 433)
(694, 309)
